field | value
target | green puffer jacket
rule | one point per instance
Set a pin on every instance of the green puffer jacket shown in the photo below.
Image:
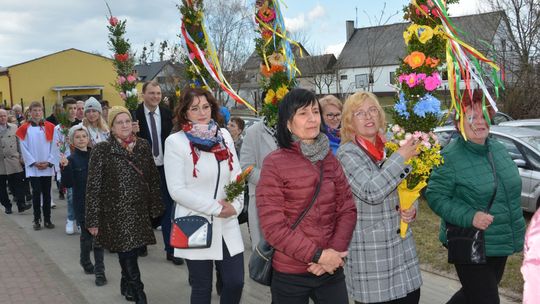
(464, 185)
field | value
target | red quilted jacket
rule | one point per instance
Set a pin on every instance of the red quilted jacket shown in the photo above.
(286, 187)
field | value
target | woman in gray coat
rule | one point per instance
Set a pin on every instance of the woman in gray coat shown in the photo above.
(382, 267)
(258, 142)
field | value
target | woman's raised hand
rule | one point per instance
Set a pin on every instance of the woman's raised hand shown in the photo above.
(409, 149)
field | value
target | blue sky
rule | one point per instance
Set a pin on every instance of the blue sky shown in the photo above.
(34, 28)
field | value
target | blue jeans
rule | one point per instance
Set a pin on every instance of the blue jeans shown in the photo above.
(232, 273)
(70, 210)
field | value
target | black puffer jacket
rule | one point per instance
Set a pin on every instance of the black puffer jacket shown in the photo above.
(74, 175)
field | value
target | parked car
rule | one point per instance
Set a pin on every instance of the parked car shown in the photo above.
(524, 123)
(523, 145)
(500, 117)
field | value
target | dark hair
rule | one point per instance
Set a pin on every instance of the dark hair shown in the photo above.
(239, 122)
(186, 99)
(294, 100)
(151, 83)
(104, 102)
(68, 101)
(474, 100)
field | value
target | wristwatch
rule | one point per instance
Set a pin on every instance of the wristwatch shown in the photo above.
(317, 256)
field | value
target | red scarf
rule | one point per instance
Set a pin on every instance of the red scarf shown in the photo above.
(374, 151)
(49, 130)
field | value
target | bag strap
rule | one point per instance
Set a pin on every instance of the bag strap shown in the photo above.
(301, 217)
(139, 171)
(492, 163)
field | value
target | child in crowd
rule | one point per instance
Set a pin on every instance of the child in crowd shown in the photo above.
(75, 174)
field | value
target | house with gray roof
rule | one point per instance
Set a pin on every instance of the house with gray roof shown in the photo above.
(168, 74)
(371, 54)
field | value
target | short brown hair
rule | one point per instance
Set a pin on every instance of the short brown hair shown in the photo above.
(239, 122)
(150, 83)
(68, 101)
(186, 99)
(35, 104)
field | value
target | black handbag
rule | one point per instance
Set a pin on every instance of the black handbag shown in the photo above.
(467, 245)
(260, 262)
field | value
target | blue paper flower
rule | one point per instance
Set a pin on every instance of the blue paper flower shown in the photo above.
(426, 105)
(401, 106)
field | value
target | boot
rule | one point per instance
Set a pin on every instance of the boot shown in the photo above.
(134, 280)
(124, 288)
(99, 268)
(86, 247)
(22, 206)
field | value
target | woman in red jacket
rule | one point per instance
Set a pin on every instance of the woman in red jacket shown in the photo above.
(308, 260)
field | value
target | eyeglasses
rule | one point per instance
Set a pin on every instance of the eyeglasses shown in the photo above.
(204, 108)
(333, 115)
(373, 111)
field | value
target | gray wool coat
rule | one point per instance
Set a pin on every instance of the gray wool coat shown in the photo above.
(381, 266)
(118, 202)
(258, 143)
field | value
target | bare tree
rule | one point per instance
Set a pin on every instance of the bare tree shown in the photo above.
(229, 26)
(318, 71)
(520, 55)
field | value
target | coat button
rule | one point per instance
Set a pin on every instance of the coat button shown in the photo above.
(398, 231)
(406, 170)
(402, 175)
(397, 207)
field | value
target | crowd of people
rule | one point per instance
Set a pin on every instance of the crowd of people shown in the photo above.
(128, 172)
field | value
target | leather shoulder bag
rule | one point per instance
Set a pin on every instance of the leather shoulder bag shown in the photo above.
(467, 245)
(260, 262)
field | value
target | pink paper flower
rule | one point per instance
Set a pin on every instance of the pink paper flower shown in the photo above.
(411, 80)
(121, 80)
(113, 21)
(123, 95)
(432, 82)
(131, 79)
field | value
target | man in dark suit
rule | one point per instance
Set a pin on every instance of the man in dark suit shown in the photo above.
(155, 124)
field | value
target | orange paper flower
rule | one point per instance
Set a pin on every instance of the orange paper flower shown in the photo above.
(415, 59)
(432, 62)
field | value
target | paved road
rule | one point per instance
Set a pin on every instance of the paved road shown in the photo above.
(42, 267)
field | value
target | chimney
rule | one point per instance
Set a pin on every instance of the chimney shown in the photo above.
(349, 26)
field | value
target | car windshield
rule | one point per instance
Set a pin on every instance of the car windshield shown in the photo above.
(534, 141)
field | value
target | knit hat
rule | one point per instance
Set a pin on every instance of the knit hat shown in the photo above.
(77, 127)
(114, 111)
(92, 104)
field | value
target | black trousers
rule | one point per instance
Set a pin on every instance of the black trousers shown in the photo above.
(411, 298)
(87, 245)
(299, 288)
(15, 182)
(41, 186)
(480, 283)
(166, 217)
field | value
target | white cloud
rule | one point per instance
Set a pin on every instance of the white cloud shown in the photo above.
(468, 7)
(334, 49)
(301, 21)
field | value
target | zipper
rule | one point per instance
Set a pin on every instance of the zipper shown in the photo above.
(217, 181)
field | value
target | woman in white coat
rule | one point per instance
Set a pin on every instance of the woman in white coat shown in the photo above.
(200, 159)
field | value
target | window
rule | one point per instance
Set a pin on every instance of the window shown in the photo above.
(361, 80)
(392, 77)
(510, 147)
(343, 77)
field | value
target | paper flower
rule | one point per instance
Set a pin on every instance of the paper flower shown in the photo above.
(123, 95)
(281, 92)
(424, 33)
(266, 14)
(121, 57)
(401, 106)
(432, 62)
(267, 34)
(269, 98)
(427, 105)
(424, 8)
(415, 59)
(411, 80)
(432, 82)
(276, 59)
(407, 36)
(121, 80)
(131, 79)
(113, 21)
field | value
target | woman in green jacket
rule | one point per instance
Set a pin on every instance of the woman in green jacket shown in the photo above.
(460, 189)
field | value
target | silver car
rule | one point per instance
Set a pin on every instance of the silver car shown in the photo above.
(523, 145)
(524, 123)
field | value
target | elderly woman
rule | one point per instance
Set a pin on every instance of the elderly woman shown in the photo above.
(200, 160)
(122, 197)
(382, 267)
(331, 108)
(308, 260)
(460, 190)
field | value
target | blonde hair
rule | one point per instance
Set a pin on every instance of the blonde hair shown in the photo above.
(330, 100)
(351, 105)
(101, 124)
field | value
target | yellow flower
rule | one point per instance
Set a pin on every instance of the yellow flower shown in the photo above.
(269, 96)
(281, 92)
(407, 37)
(424, 33)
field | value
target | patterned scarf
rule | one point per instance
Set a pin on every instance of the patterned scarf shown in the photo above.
(374, 151)
(315, 151)
(206, 138)
(127, 143)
